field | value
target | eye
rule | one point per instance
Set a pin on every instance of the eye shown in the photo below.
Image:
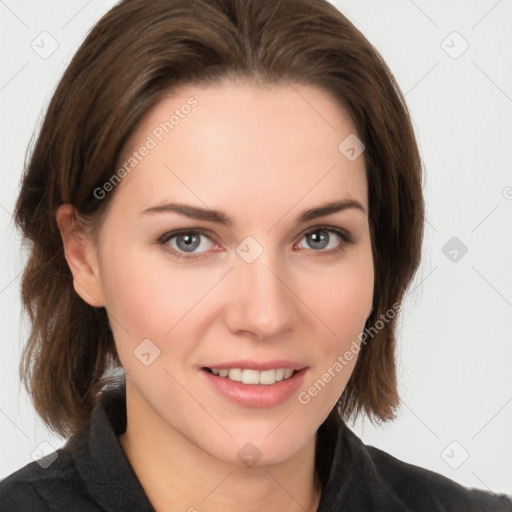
(325, 239)
(187, 243)
(195, 243)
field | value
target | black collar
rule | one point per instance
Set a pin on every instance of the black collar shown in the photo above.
(343, 464)
(100, 459)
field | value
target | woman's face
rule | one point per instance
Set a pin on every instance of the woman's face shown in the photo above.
(217, 253)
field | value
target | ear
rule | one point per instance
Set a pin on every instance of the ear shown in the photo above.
(80, 253)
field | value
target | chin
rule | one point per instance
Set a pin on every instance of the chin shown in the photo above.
(257, 449)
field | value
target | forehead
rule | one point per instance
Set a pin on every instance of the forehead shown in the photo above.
(259, 146)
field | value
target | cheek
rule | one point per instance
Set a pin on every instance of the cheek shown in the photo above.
(145, 294)
(345, 299)
(148, 299)
(342, 299)
(132, 300)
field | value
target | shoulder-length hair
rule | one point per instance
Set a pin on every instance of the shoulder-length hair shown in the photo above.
(136, 54)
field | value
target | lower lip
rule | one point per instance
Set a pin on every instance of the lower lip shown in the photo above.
(256, 395)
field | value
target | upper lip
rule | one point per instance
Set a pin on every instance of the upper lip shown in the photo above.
(259, 365)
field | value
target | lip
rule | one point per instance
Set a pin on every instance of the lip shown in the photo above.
(256, 395)
(258, 365)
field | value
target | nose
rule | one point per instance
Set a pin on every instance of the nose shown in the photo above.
(262, 302)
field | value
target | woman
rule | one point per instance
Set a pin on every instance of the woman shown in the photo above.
(224, 202)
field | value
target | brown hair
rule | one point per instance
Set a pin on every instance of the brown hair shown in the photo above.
(139, 52)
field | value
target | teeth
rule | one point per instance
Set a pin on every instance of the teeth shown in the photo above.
(235, 374)
(250, 376)
(287, 373)
(265, 377)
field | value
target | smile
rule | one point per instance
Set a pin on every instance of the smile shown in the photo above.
(249, 376)
(266, 387)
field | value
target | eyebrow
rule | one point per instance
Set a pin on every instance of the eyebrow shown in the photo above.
(207, 214)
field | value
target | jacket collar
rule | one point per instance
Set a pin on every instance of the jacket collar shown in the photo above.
(100, 459)
(352, 480)
(343, 464)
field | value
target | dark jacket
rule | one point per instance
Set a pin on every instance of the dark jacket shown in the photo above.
(92, 473)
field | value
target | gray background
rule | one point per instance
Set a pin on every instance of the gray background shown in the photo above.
(455, 350)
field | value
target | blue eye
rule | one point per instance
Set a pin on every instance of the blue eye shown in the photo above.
(195, 243)
(184, 243)
(326, 239)
(321, 239)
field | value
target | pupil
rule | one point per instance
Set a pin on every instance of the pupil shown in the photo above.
(187, 242)
(318, 239)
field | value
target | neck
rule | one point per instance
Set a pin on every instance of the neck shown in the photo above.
(178, 475)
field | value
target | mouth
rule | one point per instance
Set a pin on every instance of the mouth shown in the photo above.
(251, 384)
(251, 376)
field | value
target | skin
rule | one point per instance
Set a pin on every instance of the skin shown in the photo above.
(262, 155)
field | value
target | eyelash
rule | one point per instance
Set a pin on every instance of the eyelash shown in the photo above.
(346, 237)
